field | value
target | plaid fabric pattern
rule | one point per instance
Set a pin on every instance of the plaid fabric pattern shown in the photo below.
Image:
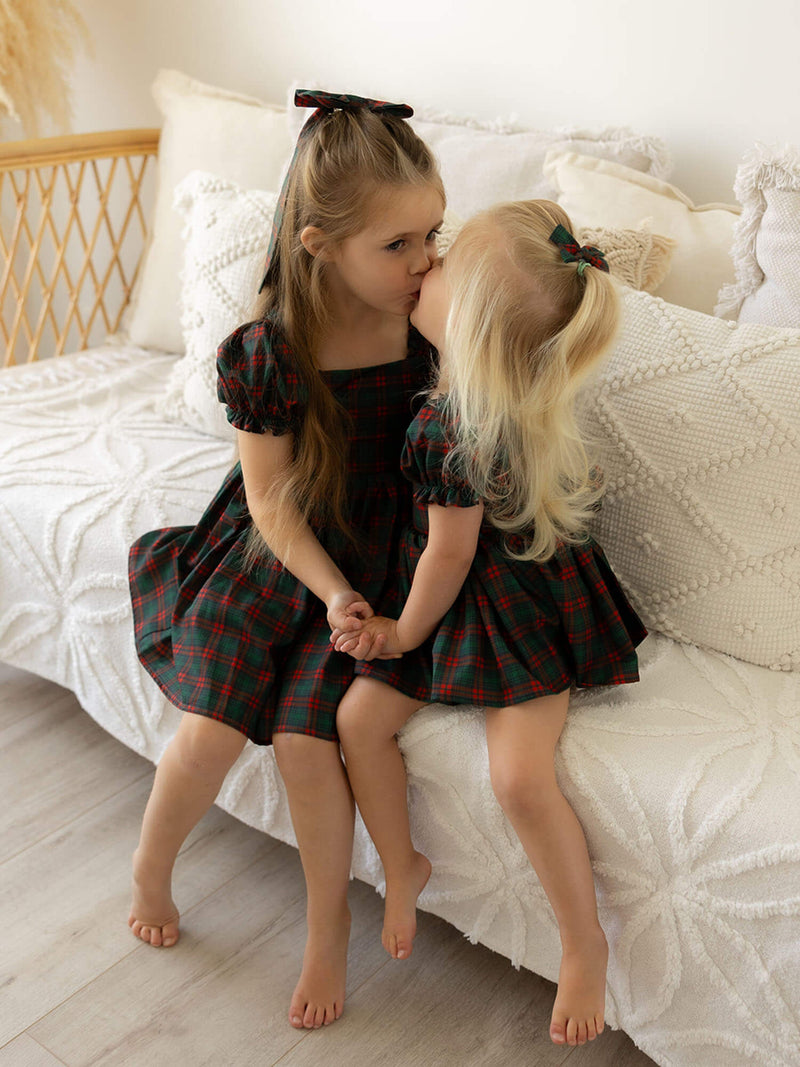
(572, 252)
(251, 649)
(517, 630)
(348, 102)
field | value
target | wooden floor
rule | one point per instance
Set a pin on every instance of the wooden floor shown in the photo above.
(76, 988)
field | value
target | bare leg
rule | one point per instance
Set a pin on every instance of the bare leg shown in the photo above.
(323, 816)
(186, 784)
(368, 720)
(522, 744)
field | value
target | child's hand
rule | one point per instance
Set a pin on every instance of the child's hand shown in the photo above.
(347, 611)
(362, 644)
(377, 639)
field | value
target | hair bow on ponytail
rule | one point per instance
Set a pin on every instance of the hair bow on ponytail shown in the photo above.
(572, 252)
(324, 103)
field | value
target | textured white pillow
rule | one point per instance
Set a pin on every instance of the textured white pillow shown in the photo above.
(766, 244)
(638, 258)
(596, 192)
(483, 163)
(227, 230)
(697, 421)
(210, 129)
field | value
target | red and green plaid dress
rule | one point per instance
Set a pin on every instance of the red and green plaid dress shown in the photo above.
(518, 629)
(251, 649)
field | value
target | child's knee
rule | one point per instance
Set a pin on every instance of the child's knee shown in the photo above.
(206, 748)
(521, 788)
(355, 712)
(298, 754)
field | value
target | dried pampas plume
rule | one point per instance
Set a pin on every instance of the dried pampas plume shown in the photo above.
(37, 45)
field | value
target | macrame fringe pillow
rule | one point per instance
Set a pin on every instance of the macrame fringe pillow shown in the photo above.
(638, 258)
(766, 240)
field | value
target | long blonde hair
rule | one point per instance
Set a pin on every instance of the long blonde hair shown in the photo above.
(524, 330)
(350, 159)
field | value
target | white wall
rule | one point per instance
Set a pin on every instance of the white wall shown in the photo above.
(709, 76)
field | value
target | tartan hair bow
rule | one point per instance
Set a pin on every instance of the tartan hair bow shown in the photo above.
(572, 252)
(324, 104)
(346, 102)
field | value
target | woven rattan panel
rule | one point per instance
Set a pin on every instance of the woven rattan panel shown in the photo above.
(73, 223)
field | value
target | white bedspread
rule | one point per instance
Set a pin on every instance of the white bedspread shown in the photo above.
(687, 784)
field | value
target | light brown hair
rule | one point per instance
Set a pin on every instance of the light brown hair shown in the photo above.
(341, 166)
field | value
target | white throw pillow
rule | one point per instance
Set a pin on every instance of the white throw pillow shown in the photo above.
(766, 244)
(696, 421)
(595, 192)
(227, 230)
(483, 163)
(206, 128)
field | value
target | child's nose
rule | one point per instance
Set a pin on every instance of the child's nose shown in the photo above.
(424, 261)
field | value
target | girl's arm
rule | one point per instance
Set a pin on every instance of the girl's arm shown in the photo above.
(443, 566)
(265, 460)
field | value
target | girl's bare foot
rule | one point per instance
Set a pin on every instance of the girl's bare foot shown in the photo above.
(400, 911)
(579, 1010)
(154, 917)
(318, 998)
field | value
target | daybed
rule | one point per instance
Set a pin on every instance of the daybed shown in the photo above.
(688, 783)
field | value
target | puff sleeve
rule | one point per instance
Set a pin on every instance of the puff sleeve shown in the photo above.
(423, 459)
(257, 382)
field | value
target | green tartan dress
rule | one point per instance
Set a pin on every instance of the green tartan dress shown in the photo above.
(252, 648)
(518, 629)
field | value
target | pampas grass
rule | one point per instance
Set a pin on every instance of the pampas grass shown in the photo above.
(37, 45)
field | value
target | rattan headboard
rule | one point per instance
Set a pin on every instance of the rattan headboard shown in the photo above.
(73, 222)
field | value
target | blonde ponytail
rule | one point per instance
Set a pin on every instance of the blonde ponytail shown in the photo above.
(524, 331)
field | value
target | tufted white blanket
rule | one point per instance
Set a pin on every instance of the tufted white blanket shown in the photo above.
(687, 784)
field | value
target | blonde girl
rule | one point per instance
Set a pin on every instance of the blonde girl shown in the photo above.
(233, 616)
(508, 601)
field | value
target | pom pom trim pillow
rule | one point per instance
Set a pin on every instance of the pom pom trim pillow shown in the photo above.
(697, 425)
(766, 245)
(226, 230)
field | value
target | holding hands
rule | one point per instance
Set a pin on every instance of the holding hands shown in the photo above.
(347, 610)
(356, 630)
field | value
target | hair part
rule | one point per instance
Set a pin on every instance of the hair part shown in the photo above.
(524, 331)
(340, 171)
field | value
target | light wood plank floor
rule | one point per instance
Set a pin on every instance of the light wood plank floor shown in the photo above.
(77, 989)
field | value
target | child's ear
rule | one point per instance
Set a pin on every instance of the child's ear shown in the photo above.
(315, 242)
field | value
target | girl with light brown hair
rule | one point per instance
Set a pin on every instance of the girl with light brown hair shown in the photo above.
(233, 615)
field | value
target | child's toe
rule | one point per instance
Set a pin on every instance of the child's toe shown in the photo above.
(558, 1031)
(572, 1032)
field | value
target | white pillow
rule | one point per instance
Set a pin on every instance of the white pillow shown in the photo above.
(484, 163)
(227, 230)
(696, 420)
(766, 246)
(205, 128)
(596, 192)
